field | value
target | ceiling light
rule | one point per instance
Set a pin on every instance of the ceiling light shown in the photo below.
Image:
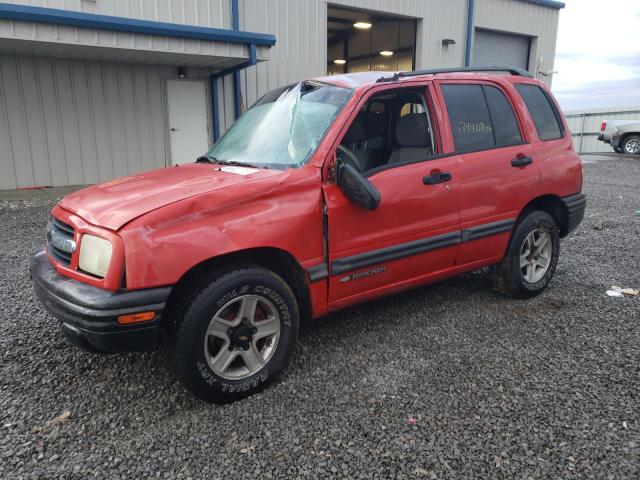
(386, 53)
(339, 61)
(362, 25)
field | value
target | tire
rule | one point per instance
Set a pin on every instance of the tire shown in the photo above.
(631, 145)
(618, 150)
(522, 282)
(198, 349)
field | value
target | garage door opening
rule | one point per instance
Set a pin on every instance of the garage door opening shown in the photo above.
(361, 41)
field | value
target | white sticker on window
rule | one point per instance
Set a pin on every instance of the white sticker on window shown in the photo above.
(238, 170)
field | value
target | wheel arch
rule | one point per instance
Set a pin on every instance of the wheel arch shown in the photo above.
(273, 259)
(554, 206)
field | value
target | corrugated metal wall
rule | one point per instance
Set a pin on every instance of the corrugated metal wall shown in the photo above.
(541, 23)
(66, 122)
(300, 30)
(204, 13)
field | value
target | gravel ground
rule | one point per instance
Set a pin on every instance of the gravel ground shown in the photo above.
(447, 381)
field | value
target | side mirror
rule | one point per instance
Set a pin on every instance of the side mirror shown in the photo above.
(356, 187)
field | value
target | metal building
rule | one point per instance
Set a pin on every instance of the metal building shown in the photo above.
(95, 89)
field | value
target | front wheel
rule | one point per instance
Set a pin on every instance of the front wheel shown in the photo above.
(235, 335)
(531, 258)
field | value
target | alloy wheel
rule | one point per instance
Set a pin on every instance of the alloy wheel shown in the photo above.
(242, 337)
(535, 255)
(632, 145)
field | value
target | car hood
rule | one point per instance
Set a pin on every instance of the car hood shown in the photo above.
(114, 204)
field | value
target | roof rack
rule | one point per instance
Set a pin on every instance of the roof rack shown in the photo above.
(512, 70)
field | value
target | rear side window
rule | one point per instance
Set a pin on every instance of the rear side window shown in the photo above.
(544, 113)
(481, 117)
(469, 117)
(505, 126)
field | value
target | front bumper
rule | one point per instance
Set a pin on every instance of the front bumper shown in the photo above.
(88, 314)
(576, 205)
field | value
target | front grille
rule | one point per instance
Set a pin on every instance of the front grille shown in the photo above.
(60, 243)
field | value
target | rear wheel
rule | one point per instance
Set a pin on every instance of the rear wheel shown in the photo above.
(235, 335)
(531, 258)
(631, 144)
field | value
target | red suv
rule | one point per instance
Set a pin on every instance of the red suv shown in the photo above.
(326, 193)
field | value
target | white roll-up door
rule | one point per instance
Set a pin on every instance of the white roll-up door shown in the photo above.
(491, 49)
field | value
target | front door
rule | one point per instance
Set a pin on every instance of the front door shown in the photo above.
(415, 231)
(188, 132)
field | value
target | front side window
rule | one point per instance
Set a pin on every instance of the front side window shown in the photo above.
(545, 116)
(393, 128)
(284, 128)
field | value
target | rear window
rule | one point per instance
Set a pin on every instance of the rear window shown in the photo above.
(545, 115)
(481, 117)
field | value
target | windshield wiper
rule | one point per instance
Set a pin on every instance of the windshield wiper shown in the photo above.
(234, 163)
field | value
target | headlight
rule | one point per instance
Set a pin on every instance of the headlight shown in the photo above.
(95, 255)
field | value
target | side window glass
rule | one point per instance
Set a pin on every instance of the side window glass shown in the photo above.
(505, 126)
(544, 114)
(469, 116)
(393, 127)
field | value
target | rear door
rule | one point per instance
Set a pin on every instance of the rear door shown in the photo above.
(498, 173)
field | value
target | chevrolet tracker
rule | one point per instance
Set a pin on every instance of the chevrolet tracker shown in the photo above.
(326, 193)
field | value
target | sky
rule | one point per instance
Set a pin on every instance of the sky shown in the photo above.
(597, 60)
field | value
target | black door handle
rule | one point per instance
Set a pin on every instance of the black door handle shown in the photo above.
(521, 161)
(437, 178)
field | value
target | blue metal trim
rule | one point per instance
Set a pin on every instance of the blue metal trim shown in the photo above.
(237, 94)
(467, 52)
(237, 88)
(235, 16)
(547, 3)
(241, 66)
(213, 83)
(122, 24)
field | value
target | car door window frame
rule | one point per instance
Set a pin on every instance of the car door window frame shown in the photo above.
(428, 92)
(447, 121)
(554, 108)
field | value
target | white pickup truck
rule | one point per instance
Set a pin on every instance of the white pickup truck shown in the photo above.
(622, 135)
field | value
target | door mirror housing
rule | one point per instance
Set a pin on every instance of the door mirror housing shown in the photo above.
(356, 187)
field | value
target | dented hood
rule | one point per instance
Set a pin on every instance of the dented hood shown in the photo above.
(114, 204)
